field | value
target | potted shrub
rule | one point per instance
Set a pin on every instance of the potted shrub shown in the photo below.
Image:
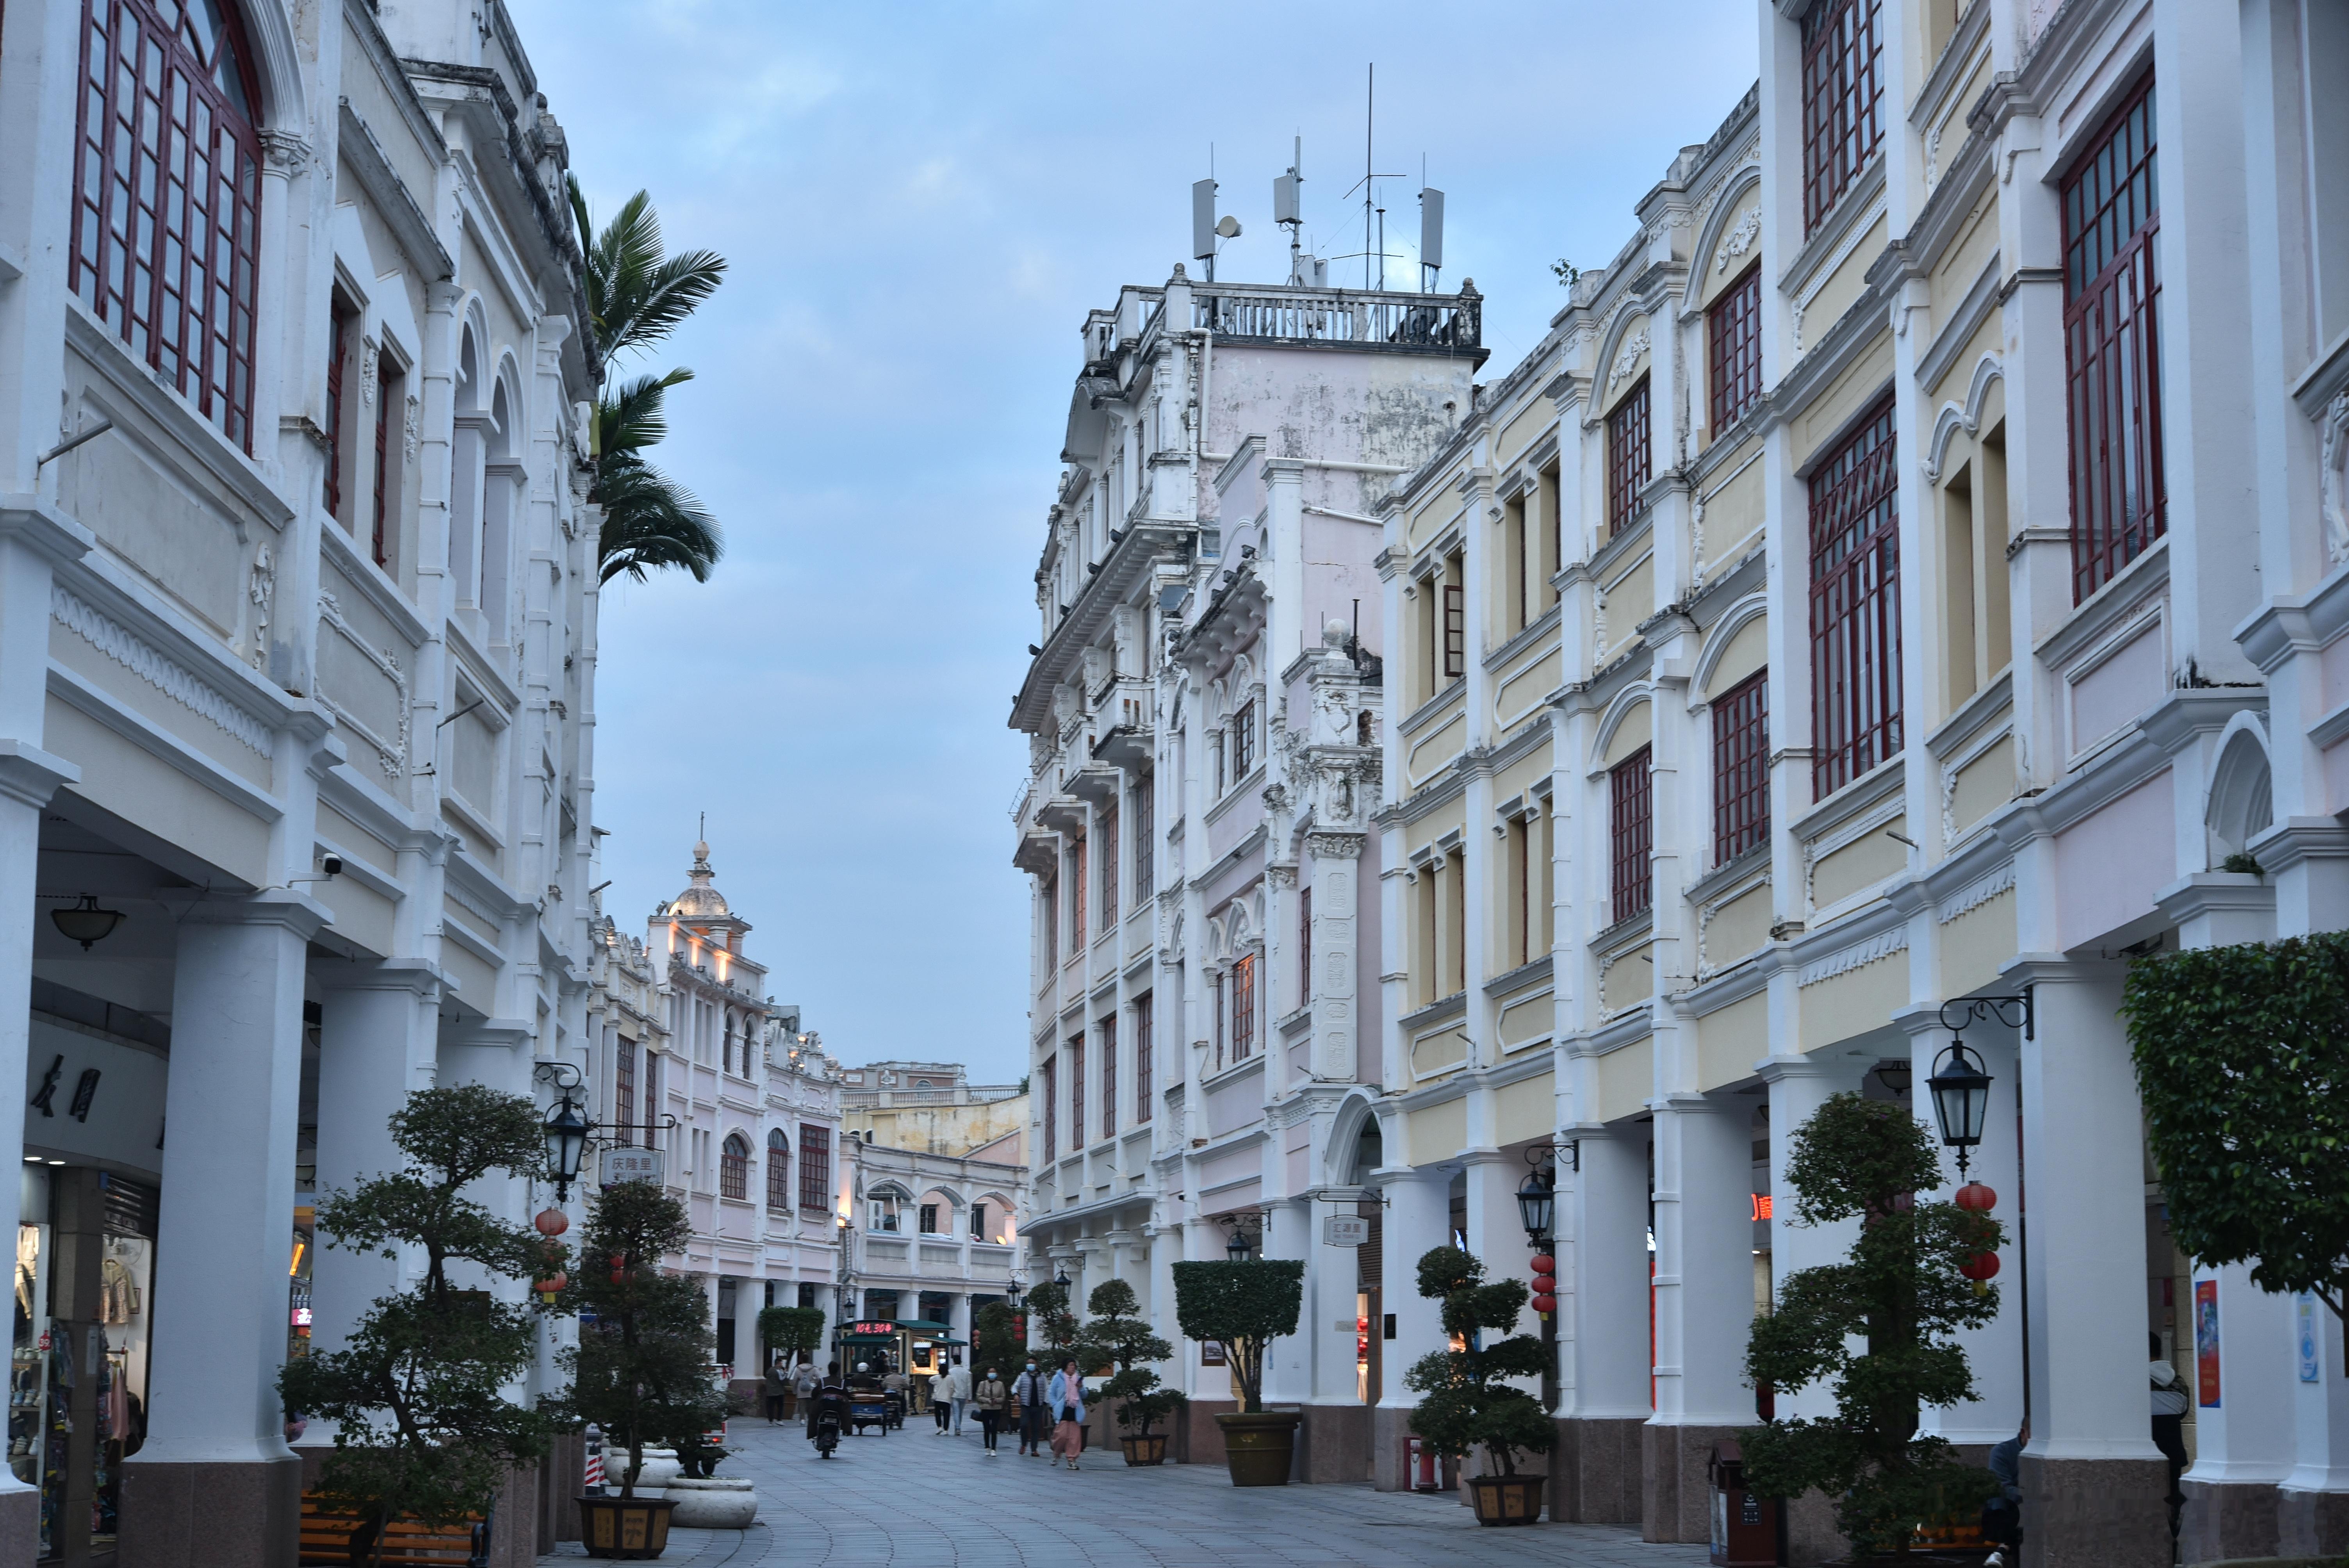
(1244, 1306)
(1879, 1328)
(996, 1342)
(1464, 1402)
(641, 1369)
(1120, 1338)
(423, 1428)
(794, 1334)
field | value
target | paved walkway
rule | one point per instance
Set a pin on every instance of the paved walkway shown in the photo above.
(913, 1500)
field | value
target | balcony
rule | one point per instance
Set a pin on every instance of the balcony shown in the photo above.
(1358, 318)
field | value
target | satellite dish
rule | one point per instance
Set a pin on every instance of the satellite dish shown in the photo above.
(1229, 227)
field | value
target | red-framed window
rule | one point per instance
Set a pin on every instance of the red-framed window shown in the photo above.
(1455, 631)
(386, 392)
(339, 330)
(1077, 898)
(1143, 1093)
(1304, 946)
(1843, 99)
(1627, 457)
(624, 1092)
(652, 1100)
(1076, 1051)
(167, 212)
(1146, 860)
(1733, 335)
(779, 1169)
(2112, 329)
(1244, 1008)
(734, 1168)
(1244, 740)
(815, 1169)
(1105, 834)
(1740, 768)
(1632, 820)
(1855, 606)
(1109, 1076)
(1052, 1108)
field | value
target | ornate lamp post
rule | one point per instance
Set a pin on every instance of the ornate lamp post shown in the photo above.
(1538, 1212)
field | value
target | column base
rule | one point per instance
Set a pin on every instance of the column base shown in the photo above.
(1676, 1489)
(20, 1524)
(1598, 1470)
(1390, 1448)
(2223, 1519)
(1812, 1534)
(211, 1515)
(1198, 1439)
(2312, 1524)
(1334, 1444)
(2095, 1513)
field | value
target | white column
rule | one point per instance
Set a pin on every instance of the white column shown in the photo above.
(1601, 1227)
(1704, 1260)
(2247, 1437)
(1418, 1217)
(215, 1428)
(1496, 1231)
(1798, 1086)
(1289, 1362)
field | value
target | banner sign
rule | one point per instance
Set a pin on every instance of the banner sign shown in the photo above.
(2206, 1342)
(1342, 1230)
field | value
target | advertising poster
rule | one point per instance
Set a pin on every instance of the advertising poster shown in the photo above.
(2206, 1342)
(2303, 1314)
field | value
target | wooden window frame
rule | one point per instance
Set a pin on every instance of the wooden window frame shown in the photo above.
(1243, 1007)
(623, 1091)
(779, 1169)
(1146, 859)
(1244, 741)
(1076, 1055)
(2111, 205)
(1740, 768)
(341, 318)
(815, 1167)
(1108, 1077)
(1855, 550)
(1052, 1108)
(1304, 946)
(1629, 457)
(734, 1168)
(1631, 835)
(1843, 100)
(1144, 1092)
(1105, 829)
(166, 244)
(1455, 630)
(387, 390)
(1733, 335)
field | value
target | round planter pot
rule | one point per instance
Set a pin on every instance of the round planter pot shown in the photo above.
(1149, 1450)
(1257, 1445)
(661, 1468)
(721, 1503)
(1506, 1499)
(633, 1528)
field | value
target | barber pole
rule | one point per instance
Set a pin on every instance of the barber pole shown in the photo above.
(595, 1460)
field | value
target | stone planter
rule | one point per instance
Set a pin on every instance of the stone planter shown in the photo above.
(1506, 1499)
(721, 1503)
(661, 1468)
(1149, 1450)
(631, 1528)
(1258, 1445)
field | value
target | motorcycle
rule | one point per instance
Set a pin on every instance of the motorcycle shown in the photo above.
(830, 1418)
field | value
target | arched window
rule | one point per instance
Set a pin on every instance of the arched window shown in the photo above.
(779, 1169)
(167, 222)
(734, 1168)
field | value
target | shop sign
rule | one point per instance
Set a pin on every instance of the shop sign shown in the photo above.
(2206, 1342)
(91, 1097)
(2303, 1306)
(1345, 1231)
(874, 1329)
(615, 1166)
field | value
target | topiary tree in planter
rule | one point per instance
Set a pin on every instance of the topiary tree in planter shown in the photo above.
(2242, 1059)
(996, 1341)
(1465, 1402)
(1120, 1338)
(1900, 1295)
(791, 1332)
(424, 1430)
(1051, 1323)
(1243, 1306)
(641, 1369)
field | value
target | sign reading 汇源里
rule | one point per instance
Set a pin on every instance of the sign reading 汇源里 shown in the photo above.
(1345, 1231)
(618, 1165)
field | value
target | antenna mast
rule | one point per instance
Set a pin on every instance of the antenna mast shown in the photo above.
(1370, 119)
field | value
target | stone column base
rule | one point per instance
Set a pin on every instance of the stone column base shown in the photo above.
(2225, 1520)
(211, 1515)
(1597, 1468)
(1334, 1444)
(2095, 1513)
(2312, 1524)
(1812, 1536)
(1676, 1492)
(20, 1525)
(1389, 1450)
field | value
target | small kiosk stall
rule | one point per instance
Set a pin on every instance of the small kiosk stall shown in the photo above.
(916, 1347)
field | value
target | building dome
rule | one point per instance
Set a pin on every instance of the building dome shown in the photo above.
(699, 900)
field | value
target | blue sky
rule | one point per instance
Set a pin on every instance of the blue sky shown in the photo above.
(919, 202)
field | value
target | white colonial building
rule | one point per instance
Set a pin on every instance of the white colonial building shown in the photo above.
(297, 655)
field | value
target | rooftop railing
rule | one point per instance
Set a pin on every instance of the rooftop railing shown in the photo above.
(1370, 317)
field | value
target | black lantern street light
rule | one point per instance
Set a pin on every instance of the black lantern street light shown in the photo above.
(1060, 1278)
(1242, 1233)
(1537, 1204)
(568, 1129)
(1961, 1083)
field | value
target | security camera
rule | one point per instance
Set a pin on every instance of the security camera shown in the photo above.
(332, 865)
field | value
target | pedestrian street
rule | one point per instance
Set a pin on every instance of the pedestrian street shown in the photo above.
(913, 1500)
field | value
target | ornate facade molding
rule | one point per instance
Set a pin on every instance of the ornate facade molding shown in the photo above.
(1860, 954)
(391, 751)
(156, 668)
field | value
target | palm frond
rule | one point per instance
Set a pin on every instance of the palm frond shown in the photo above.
(651, 522)
(648, 305)
(633, 419)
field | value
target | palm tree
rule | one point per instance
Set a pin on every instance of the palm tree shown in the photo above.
(635, 297)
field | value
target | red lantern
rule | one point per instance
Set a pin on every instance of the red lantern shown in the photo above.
(1544, 1263)
(550, 1285)
(552, 1222)
(1980, 1266)
(1977, 1199)
(1545, 1304)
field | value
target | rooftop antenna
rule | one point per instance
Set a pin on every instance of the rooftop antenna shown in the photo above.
(1288, 206)
(1205, 228)
(1431, 230)
(1374, 217)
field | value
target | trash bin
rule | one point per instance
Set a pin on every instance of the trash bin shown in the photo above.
(1745, 1527)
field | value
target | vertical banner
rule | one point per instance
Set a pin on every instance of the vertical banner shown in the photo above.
(2206, 1342)
(2304, 1312)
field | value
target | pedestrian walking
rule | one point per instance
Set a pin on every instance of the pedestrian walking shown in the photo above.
(2169, 1402)
(777, 1387)
(992, 1394)
(1028, 1393)
(941, 1400)
(807, 1381)
(1066, 1394)
(957, 1394)
(2002, 1515)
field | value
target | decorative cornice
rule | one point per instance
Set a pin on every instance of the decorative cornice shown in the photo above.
(1884, 945)
(156, 668)
(1977, 893)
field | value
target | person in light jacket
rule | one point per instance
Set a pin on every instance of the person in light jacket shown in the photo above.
(992, 1394)
(955, 1387)
(1028, 1393)
(1066, 1396)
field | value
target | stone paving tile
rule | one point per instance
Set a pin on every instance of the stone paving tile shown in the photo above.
(910, 1500)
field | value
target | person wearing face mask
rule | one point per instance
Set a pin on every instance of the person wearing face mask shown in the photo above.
(992, 1394)
(1027, 1391)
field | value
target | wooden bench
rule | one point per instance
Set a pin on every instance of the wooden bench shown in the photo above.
(327, 1539)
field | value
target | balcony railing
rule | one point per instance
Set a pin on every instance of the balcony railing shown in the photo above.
(1343, 316)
